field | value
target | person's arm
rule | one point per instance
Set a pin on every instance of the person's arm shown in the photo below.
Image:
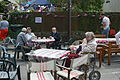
(103, 24)
(117, 36)
(57, 37)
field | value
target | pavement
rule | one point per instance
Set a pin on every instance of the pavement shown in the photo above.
(108, 72)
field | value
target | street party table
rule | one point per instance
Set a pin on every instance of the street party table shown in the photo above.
(37, 42)
(47, 54)
(40, 55)
(43, 40)
(104, 40)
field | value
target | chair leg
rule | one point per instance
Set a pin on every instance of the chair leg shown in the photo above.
(100, 59)
(28, 75)
(18, 55)
(109, 58)
(18, 73)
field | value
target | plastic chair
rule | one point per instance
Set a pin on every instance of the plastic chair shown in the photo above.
(6, 41)
(17, 48)
(5, 55)
(8, 70)
(41, 70)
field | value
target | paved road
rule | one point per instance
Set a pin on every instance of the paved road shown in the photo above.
(111, 72)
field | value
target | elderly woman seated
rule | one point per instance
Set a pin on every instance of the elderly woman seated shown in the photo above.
(88, 45)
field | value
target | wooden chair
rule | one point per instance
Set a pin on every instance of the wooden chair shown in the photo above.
(73, 72)
(40, 70)
(9, 70)
(113, 48)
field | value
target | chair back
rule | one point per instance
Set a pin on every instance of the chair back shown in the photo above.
(3, 52)
(79, 61)
(5, 68)
(14, 42)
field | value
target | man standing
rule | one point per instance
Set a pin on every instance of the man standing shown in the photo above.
(56, 36)
(105, 24)
(4, 24)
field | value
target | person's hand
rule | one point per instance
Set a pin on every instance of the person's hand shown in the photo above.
(71, 46)
(50, 37)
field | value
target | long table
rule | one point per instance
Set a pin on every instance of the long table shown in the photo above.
(43, 40)
(47, 54)
(104, 40)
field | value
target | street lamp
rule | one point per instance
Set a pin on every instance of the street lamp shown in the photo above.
(69, 18)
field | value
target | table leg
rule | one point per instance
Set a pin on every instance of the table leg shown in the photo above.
(55, 72)
(109, 58)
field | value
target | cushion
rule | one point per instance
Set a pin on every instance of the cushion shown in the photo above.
(73, 73)
(41, 76)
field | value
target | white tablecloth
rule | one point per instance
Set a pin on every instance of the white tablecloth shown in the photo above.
(47, 54)
(43, 40)
(104, 40)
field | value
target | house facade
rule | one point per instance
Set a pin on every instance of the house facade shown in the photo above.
(111, 6)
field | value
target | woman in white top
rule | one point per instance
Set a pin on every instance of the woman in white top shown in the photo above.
(89, 44)
(29, 34)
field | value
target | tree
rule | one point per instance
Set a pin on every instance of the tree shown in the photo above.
(82, 5)
(3, 6)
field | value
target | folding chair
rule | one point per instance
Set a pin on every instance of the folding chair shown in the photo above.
(73, 72)
(40, 70)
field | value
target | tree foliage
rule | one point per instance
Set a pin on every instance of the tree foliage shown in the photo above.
(82, 5)
(3, 6)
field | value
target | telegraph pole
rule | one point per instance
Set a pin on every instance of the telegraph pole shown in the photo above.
(69, 18)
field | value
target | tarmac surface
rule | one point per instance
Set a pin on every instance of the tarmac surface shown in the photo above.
(108, 72)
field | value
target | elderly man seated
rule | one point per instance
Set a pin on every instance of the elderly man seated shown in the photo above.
(56, 35)
(22, 41)
(88, 45)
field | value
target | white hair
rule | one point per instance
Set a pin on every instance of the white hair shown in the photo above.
(90, 34)
(24, 29)
(54, 28)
